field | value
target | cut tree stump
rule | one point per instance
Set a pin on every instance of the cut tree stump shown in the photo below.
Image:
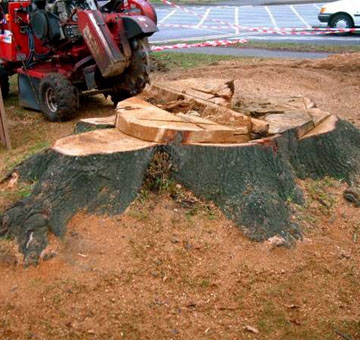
(98, 142)
(102, 171)
(89, 124)
(252, 182)
(282, 122)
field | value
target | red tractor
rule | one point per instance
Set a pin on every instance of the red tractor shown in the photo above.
(63, 48)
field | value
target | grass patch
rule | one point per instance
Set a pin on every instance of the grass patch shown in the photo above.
(320, 200)
(139, 214)
(318, 192)
(28, 132)
(11, 159)
(23, 190)
(296, 47)
(265, 45)
(188, 61)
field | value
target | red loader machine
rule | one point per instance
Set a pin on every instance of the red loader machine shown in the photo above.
(61, 49)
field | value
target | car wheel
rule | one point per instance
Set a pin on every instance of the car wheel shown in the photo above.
(341, 21)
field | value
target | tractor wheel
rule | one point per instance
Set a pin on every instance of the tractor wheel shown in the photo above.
(58, 97)
(4, 81)
(137, 75)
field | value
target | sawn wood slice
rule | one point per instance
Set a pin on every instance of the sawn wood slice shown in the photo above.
(99, 142)
(137, 118)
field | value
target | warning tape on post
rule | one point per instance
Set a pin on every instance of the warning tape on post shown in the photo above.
(273, 30)
(210, 43)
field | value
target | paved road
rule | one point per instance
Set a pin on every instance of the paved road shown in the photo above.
(253, 52)
(268, 2)
(295, 15)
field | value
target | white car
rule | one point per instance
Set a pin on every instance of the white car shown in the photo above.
(341, 14)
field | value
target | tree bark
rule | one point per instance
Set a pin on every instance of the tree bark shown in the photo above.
(252, 183)
(67, 184)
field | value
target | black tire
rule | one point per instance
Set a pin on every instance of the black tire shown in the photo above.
(343, 19)
(137, 74)
(4, 81)
(58, 97)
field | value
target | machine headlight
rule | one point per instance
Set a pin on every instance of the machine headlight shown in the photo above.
(323, 10)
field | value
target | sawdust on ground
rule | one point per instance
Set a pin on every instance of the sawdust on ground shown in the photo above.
(332, 83)
(167, 270)
(170, 269)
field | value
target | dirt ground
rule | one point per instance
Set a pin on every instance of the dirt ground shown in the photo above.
(175, 268)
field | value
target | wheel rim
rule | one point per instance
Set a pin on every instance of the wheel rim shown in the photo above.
(51, 99)
(341, 23)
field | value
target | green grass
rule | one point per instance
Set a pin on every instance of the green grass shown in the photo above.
(188, 61)
(10, 161)
(139, 214)
(319, 191)
(296, 47)
(24, 190)
(276, 46)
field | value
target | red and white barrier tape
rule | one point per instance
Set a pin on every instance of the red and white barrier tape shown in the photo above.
(210, 43)
(280, 30)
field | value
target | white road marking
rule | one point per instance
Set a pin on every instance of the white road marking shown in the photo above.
(287, 38)
(299, 16)
(271, 16)
(166, 17)
(204, 18)
(236, 20)
(245, 17)
(207, 37)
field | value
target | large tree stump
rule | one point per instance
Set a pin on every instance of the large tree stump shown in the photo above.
(86, 171)
(252, 181)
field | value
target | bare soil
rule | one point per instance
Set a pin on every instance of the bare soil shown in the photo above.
(172, 266)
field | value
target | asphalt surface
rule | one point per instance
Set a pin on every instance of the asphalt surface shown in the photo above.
(253, 52)
(268, 2)
(274, 16)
